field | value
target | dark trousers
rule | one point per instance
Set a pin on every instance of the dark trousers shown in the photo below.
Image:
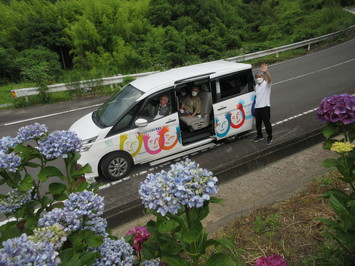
(263, 115)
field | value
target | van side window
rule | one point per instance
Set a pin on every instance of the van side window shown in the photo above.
(234, 85)
(152, 110)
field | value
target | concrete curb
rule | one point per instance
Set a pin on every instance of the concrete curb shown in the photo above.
(122, 214)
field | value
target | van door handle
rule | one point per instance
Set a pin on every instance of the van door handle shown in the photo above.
(170, 121)
(221, 108)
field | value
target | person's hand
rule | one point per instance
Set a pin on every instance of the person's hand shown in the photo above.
(264, 67)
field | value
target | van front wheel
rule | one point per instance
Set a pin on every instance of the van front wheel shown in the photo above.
(115, 166)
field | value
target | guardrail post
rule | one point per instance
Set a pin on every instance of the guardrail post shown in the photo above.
(309, 46)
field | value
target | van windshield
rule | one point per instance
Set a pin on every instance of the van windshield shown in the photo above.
(113, 109)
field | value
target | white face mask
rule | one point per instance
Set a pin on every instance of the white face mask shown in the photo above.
(194, 93)
(259, 80)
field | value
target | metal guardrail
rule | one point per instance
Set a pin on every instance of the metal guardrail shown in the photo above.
(109, 81)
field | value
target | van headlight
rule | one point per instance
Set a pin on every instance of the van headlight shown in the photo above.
(87, 143)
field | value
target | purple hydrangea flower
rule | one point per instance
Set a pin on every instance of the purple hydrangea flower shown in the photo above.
(22, 251)
(69, 220)
(14, 200)
(59, 143)
(184, 185)
(115, 252)
(9, 162)
(8, 142)
(85, 203)
(31, 132)
(274, 260)
(337, 108)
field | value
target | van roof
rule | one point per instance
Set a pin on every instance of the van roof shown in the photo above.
(155, 82)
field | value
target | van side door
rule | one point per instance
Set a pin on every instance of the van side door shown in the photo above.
(161, 135)
(233, 96)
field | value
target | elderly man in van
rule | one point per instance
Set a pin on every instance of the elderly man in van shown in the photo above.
(163, 108)
(192, 104)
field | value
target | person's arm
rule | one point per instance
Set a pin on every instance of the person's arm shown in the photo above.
(264, 68)
(197, 106)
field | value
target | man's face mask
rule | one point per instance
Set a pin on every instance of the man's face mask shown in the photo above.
(259, 80)
(194, 93)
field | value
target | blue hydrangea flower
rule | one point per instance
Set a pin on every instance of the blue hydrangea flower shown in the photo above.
(59, 143)
(10, 162)
(85, 203)
(31, 132)
(97, 225)
(115, 252)
(22, 251)
(152, 262)
(52, 234)
(14, 200)
(8, 142)
(70, 221)
(184, 185)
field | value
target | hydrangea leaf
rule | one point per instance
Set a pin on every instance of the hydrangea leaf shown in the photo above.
(49, 171)
(175, 260)
(167, 226)
(190, 235)
(330, 163)
(57, 188)
(27, 183)
(330, 130)
(220, 259)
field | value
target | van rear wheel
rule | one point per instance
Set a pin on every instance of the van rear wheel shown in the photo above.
(116, 166)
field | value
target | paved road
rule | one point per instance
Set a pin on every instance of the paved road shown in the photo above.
(298, 87)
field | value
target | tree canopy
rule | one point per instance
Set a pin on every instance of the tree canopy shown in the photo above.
(125, 36)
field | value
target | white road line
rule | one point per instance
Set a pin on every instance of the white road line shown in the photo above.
(313, 72)
(54, 114)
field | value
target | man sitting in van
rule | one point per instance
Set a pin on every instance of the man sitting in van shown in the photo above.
(163, 108)
(192, 104)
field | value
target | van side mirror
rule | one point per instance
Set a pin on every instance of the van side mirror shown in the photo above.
(140, 122)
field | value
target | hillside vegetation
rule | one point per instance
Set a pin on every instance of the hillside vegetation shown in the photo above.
(45, 41)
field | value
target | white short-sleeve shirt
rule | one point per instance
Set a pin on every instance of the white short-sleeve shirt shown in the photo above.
(263, 92)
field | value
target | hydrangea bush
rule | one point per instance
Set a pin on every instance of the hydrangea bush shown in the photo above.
(338, 111)
(179, 198)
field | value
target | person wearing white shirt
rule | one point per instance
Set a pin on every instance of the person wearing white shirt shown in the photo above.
(262, 104)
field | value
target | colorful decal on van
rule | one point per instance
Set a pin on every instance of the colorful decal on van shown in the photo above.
(234, 119)
(132, 147)
(223, 126)
(154, 141)
(238, 117)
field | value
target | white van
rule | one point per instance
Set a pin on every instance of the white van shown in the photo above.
(125, 130)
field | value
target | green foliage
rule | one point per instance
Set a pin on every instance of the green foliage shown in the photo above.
(183, 233)
(109, 37)
(341, 229)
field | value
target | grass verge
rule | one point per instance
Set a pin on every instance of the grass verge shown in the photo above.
(289, 228)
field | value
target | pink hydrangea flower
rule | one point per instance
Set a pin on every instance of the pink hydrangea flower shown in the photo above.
(141, 235)
(272, 260)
